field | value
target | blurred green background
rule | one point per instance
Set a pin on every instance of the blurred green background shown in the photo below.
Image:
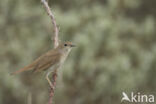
(116, 50)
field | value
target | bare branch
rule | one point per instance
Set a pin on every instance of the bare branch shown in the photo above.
(54, 76)
(56, 43)
(51, 15)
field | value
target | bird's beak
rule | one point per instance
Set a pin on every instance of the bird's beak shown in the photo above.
(73, 45)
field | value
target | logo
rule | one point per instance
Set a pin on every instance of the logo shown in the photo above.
(140, 98)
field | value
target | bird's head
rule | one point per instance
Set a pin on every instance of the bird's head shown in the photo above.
(66, 46)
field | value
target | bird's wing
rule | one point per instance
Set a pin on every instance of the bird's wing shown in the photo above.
(47, 60)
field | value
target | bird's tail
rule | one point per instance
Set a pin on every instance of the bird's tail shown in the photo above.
(29, 67)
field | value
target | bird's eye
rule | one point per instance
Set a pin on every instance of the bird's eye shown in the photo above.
(65, 44)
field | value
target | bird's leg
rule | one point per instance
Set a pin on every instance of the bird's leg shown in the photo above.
(47, 77)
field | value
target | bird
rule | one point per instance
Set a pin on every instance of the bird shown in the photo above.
(50, 61)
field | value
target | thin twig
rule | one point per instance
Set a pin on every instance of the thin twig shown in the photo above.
(56, 43)
(51, 15)
(53, 87)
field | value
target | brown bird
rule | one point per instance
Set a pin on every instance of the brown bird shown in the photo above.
(52, 60)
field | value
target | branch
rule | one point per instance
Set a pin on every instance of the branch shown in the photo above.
(54, 76)
(56, 43)
(51, 15)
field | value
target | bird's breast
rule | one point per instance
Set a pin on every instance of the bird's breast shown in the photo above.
(63, 58)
